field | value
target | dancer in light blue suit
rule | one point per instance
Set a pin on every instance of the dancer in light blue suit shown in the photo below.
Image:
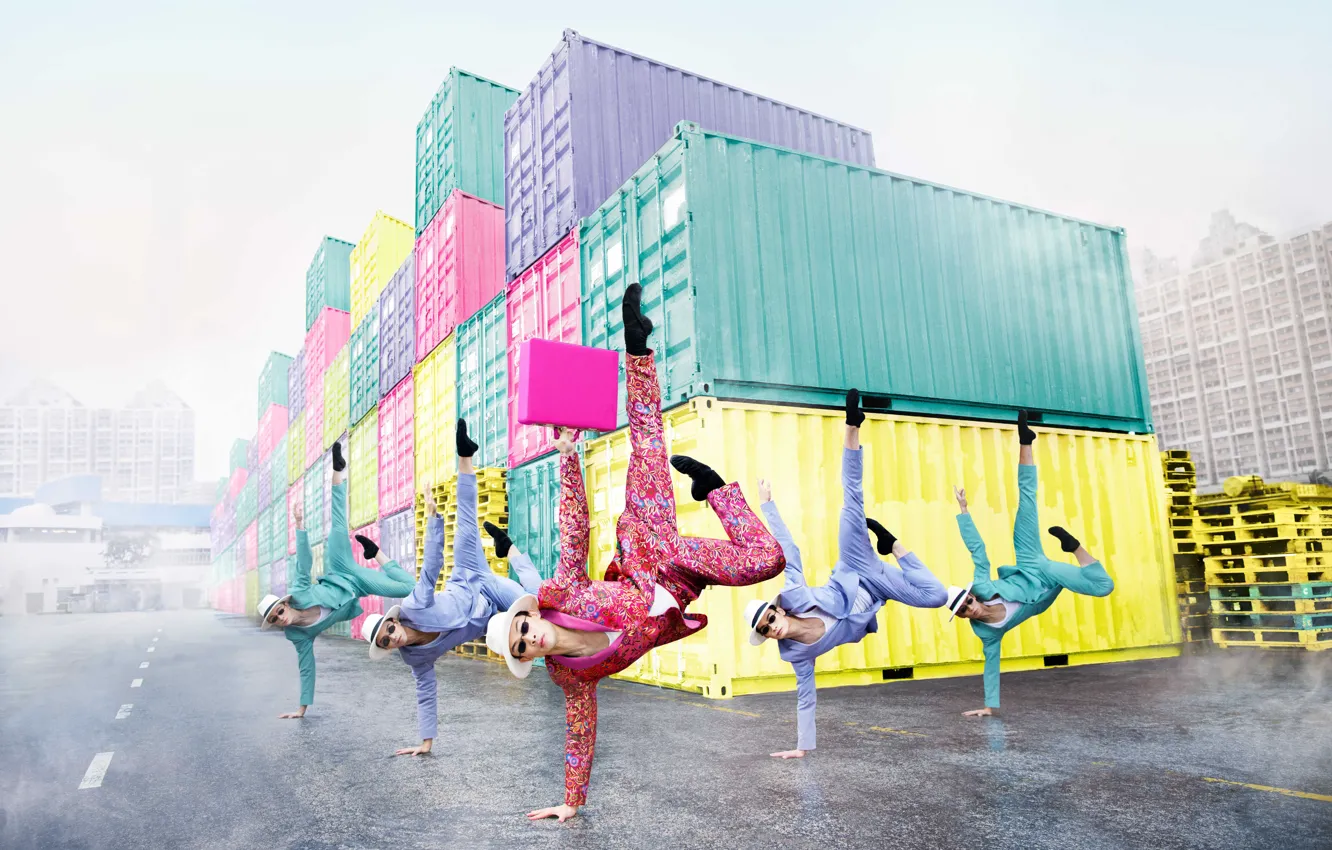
(429, 624)
(996, 606)
(809, 621)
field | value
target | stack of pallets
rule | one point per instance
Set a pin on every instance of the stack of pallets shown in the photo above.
(1268, 560)
(1190, 584)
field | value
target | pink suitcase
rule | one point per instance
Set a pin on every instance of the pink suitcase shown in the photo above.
(573, 386)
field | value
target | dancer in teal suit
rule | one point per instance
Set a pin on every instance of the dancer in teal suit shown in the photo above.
(994, 606)
(312, 607)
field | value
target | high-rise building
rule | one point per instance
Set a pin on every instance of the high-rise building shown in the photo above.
(1239, 351)
(144, 451)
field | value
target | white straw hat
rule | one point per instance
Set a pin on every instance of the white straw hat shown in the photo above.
(754, 612)
(956, 595)
(497, 634)
(266, 605)
(370, 630)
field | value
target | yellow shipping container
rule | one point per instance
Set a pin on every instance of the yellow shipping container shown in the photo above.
(363, 471)
(1106, 488)
(296, 449)
(316, 561)
(385, 243)
(252, 594)
(337, 388)
(435, 385)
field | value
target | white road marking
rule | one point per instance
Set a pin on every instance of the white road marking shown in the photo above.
(154, 640)
(124, 711)
(136, 683)
(143, 665)
(152, 648)
(96, 771)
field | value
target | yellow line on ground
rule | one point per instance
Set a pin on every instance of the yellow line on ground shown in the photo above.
(1286, 791)
(898, 731)
(683, 701)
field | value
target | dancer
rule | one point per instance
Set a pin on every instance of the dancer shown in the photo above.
(587, 630)
(809, 621)
(430, 624)
(1025, 590)
(312, 607)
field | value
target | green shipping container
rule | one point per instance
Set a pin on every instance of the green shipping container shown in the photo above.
(363, 366)
(265, 535)
(534, 504)
(483, 382)
(783, 277)
(240, 451)
(291, 569)
(247, 503)
(460, 143)
(328, 279)
(273, 382)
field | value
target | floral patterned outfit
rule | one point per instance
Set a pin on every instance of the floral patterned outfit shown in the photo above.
(651, 552)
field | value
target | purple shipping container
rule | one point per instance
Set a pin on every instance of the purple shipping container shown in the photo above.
(397, 326)
(296, 385)
(594, 114)
(252, 455)
(265, 485)
(397, 537)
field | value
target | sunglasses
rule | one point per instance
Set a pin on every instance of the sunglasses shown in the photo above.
(964, 604)
(383, 640)
(522, 634)
(273, 617)
(762, 628)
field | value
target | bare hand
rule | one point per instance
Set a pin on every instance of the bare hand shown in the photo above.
(564, 440)
(979, 712)
(428, 493)
(561, 812)
(960, 493)
(298, 515)
(292, 715)
(789, 754)
(422, 750)
(765, 490)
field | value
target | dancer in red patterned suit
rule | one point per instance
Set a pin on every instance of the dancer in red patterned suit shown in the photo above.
(588, 630)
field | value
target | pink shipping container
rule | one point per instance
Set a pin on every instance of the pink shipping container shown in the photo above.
(236, 483)
(542, 303)
(295, 496)
(326, 337)
(314, 422)
(272, 425)
(252, 547)
(369, 604)
(396, 448)
(459, 267)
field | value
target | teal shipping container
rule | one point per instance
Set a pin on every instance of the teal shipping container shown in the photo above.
(247, 503)
(291, 569)
(483, 382)
(328, 279)
(363, 366)
(783, 277)
(277, 530)
(265, 535)
(460, 143)
(240, 451)
(273, 382)
(534, 504)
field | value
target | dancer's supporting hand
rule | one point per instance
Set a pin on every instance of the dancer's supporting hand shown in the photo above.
(422, 750)
(298, 515)
(561, 812)
(765, 490)
(789, 754)
(979, 712)
(429, 493)
(293, 715)
(960, 493)
(564, 440)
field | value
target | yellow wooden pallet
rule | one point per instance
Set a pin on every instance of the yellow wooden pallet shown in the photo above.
(1271, 606)
(1269, 575)
(1265, 532)
(1286, 546)
(1237, 562)
(1309, 639)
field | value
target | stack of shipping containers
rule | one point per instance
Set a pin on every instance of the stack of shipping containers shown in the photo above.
(780, 268)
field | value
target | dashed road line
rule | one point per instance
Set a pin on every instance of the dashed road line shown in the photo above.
(96, 771)
(124, 711)
(154, 640)
(136, 683)
(143, 665)
(152, 649)
(1271, 790)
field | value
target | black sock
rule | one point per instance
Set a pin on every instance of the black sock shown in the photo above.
(854, 415)
(1067, 542)
(466, 448)
(502, 541)
(886, 537)
(705, 478)
(339, 462)
(637, 327)
(1026, 436)
(371, 547)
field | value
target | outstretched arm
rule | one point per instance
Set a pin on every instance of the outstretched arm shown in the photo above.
(426, 711)
(423, 595)
(572, 568)
(971, 537)
(992, 649)
(806, 699)
(795, 570)
(304, 559)
(580, 707)
(305, 663)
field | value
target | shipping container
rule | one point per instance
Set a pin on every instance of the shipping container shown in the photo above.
(363, 471)
(277, 530)
(458, 266)
(460, 142)
(1107, 487)
(252, 545)
(252, 596)
(264, 490)
(264, 582)
(252, 453)
(542, 303)
(363, 366)
(594, 113)
(781, 277)
(247, 503)
(291, 572)
(336, 392)
(435, 388)
(239, 450)
(236, 481)
(323, 341)
(316, 499)
(296, 449)
(296, 384)
(263, 535)
(385, 243)
(316, 559)
(277, 578)
(483, 383)
(295, 496)
(328, 280)
(272, 425)
(397, 448)
(273, 382)
(534, 498)
(397, 537)
(397, 326)
(314, 423)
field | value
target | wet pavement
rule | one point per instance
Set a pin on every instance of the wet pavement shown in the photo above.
(1157, 754)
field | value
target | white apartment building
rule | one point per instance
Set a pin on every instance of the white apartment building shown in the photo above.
(144, 452)
(1239, 352)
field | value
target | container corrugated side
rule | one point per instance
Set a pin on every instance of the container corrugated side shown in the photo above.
(397, 447)
(273, 387)
(296, 449)
(336, 389)
(363, 471)
(483, 383)
(458, 259)
(1107, 488)
(295, 496)
(435, 386)
(239, 449)
(397, 326)
(363, 367)
(594, 113)
(383, 246)
(296, 383)
(534, 498)
(328, 279)
(314, 423)
(776, 276)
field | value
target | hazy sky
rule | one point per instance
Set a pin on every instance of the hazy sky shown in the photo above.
(167, 169)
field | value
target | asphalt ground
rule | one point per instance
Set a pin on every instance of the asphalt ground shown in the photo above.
(1223, 750)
